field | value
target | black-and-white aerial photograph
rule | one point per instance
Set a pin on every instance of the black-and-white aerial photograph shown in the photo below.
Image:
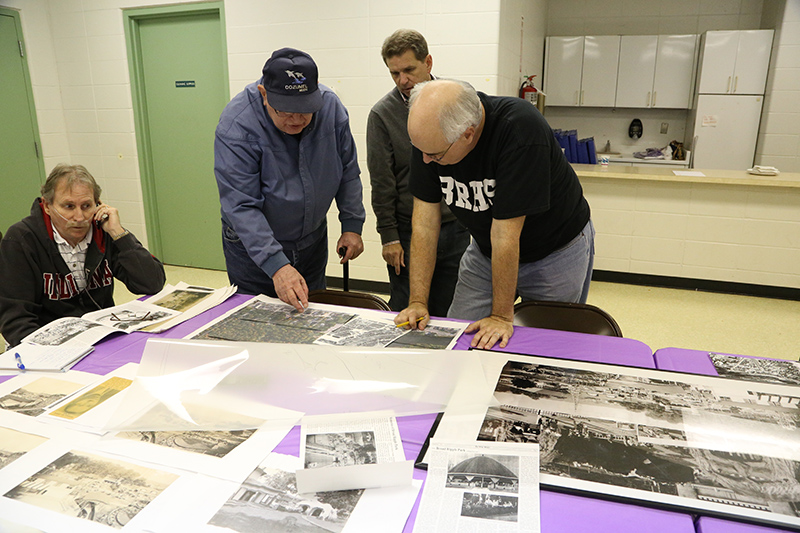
(776, 371)
(35, 397)
(268, 502)
(107, 491)
(490, 506)
(362, 332)
(213, 443)
(431, 338)
(497, 473)
(340, 449)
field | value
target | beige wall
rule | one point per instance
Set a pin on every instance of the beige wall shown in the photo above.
(79, 71)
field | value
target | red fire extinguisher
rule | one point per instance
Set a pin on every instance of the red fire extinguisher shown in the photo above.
(527, 91)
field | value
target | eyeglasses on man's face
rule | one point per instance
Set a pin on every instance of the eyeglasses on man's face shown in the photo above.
(439, 155)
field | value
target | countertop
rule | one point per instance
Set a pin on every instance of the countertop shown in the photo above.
(654, 173)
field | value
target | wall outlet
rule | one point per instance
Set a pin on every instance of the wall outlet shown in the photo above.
(664, 127)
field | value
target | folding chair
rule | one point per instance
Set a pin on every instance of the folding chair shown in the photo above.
(563, 316)
(349, 298)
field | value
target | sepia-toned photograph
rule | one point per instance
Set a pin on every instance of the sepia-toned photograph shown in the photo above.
(489, 506)
(340, 449)
(35, 397)
(14, 444)
(497, 473)
(268, 502)
(91, 399)
(213, 443)
(181, 299)
(107, 491)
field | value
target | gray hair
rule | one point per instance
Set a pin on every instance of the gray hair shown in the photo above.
(458, 114)
(71, 175)
(402, 40)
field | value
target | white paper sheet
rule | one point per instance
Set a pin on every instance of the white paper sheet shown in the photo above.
(36, 358)
(87, 492)
(90, 408)
(353, 451)
(224, 454)
(30, 394)
(491, 487)
(268, 496)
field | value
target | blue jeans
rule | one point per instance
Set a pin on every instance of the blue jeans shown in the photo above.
(453, 240)
(310, 262)
(562, 276)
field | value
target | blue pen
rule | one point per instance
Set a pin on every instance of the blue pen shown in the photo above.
(19, 361)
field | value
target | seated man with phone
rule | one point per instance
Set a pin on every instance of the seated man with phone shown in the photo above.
(62, 259)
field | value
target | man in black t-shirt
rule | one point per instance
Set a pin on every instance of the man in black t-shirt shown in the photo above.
(496, 163)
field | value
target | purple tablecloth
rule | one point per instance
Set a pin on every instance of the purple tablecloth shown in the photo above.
(560, 512)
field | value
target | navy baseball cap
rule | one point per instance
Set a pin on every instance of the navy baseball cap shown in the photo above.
(290, 79)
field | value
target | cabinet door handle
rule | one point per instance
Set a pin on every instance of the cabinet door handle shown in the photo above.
(581, 97)
(576, 97)
(729, 85)
(654, 98)
(735, 83)
(647, 104)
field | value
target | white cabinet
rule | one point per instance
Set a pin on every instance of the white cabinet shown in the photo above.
(734, 62)
(656, 71)
(562, 80)
(581, 71)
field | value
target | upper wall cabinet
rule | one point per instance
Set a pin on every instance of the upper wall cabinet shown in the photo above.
(734, 62)
(581, 71)
(656, 71)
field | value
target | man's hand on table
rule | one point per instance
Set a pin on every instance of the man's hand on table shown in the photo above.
(490, 330)
(415, 316)
(291, 287)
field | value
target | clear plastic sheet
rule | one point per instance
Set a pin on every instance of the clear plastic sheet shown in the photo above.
(185, 384)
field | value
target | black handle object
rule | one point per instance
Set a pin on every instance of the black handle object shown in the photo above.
(346, 269)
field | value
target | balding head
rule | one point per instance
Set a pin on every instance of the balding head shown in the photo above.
(441, 112)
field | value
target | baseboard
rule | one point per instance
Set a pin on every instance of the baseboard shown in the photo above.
(706, 285)
(649, 280)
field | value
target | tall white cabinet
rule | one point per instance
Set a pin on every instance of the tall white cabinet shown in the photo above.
(581, 71)
(735, 62)
(651, 71)
(656, 71)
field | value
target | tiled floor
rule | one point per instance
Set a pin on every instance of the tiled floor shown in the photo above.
(661, 318)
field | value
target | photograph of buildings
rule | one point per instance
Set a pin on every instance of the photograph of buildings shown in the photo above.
(636, 442)
(94, 488)
(268, 502)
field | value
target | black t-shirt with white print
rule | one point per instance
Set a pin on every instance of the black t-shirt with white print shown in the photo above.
(517, 168)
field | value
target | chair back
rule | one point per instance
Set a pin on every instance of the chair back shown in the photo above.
(563, 316)
(348, 298)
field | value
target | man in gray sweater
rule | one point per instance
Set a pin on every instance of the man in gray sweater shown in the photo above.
(405, 53)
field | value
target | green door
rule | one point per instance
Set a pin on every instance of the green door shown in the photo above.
(183, 89)
(22, 168)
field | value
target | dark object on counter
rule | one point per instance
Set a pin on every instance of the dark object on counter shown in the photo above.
(677, 151)
(635, 130)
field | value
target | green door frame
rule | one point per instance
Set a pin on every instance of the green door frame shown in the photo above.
(29, 86)
(131, 18)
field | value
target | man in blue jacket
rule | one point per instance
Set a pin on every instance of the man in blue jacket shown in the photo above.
(283, 152)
